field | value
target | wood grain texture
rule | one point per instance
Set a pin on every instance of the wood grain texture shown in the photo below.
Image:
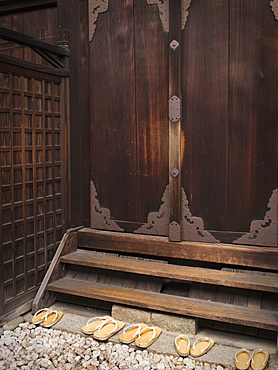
(43, 297)
(170, 271)
(76, 11)
(253, 111)
(175, 127)
(257, 257)
(168, 303)
(205, 111)
(113, 124)
(151, 92)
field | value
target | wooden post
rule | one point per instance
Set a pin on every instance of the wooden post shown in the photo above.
(174, 120)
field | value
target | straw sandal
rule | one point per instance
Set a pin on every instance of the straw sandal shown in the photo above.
(201, 346)
(242, 359)
(108, 328)
(52, 318)
(40, 315)
(182, 344)
(132, 332)
(147, 336)
(94, 324)
(259, 359)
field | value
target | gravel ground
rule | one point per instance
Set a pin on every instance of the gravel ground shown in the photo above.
(28, 347)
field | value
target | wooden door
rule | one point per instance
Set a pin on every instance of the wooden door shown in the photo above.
(183, 98)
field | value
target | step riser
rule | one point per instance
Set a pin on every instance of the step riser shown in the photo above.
(168, 271)
(162, 302)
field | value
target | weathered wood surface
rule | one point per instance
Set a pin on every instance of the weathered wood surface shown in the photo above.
(257, 257)
(168, 303)
(187, 273)
(43, 297)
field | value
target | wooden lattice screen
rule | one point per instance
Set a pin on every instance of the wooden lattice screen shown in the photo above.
(33, 129)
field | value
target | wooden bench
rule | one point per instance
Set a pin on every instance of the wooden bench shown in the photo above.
(82, 248)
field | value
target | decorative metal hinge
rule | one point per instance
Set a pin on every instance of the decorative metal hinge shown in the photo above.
(174, 108)
(174, 172)
(174, 45)
(174, 231)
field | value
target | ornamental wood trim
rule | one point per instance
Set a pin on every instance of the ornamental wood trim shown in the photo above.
(274, 8)
(264, 232)
(94, 8)
(100, 217)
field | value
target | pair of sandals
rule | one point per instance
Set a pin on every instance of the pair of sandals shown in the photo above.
(258, 359)
(47, 317)
(201, 346)
(142, 334)
(104, 327)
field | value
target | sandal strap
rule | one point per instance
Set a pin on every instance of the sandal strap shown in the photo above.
(181, 336)
(133, 326)
(199, 340)
(96, 318)
(50, 313)
(149, 328)
(114, 322)
(107, 321)
(47, 310)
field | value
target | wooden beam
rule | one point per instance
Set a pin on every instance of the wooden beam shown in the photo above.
(12, 6)
(23, 39)
(175, 233)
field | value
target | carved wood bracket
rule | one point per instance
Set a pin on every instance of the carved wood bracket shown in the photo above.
(184, 15)
(192, 227)
(94, 8)
(264, 232)
(100, 217)
(163, 7)
(274, 8)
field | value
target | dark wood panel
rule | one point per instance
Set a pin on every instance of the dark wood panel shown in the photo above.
(40, 24)
(205, 111)
(187, 273)
(8, 6)
(257, 257)
(113, 127)
(253, 111)
(34, 171)
(76, 11)
(151, 91)
(169, 303)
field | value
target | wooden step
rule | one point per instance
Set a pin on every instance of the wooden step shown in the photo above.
(185, 273)
(247, 316)
(265, 258)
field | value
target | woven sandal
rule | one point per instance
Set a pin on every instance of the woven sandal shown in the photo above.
(94, 324)
(52, 318)
(40, 315)
(182, 345)
(147, 336)
(259, 359)
(108, 328)
(132, 332)
(242, 359)
(201, 346)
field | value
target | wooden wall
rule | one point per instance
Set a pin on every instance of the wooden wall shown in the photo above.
(34, 132)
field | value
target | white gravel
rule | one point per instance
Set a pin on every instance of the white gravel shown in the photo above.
(29, 347)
